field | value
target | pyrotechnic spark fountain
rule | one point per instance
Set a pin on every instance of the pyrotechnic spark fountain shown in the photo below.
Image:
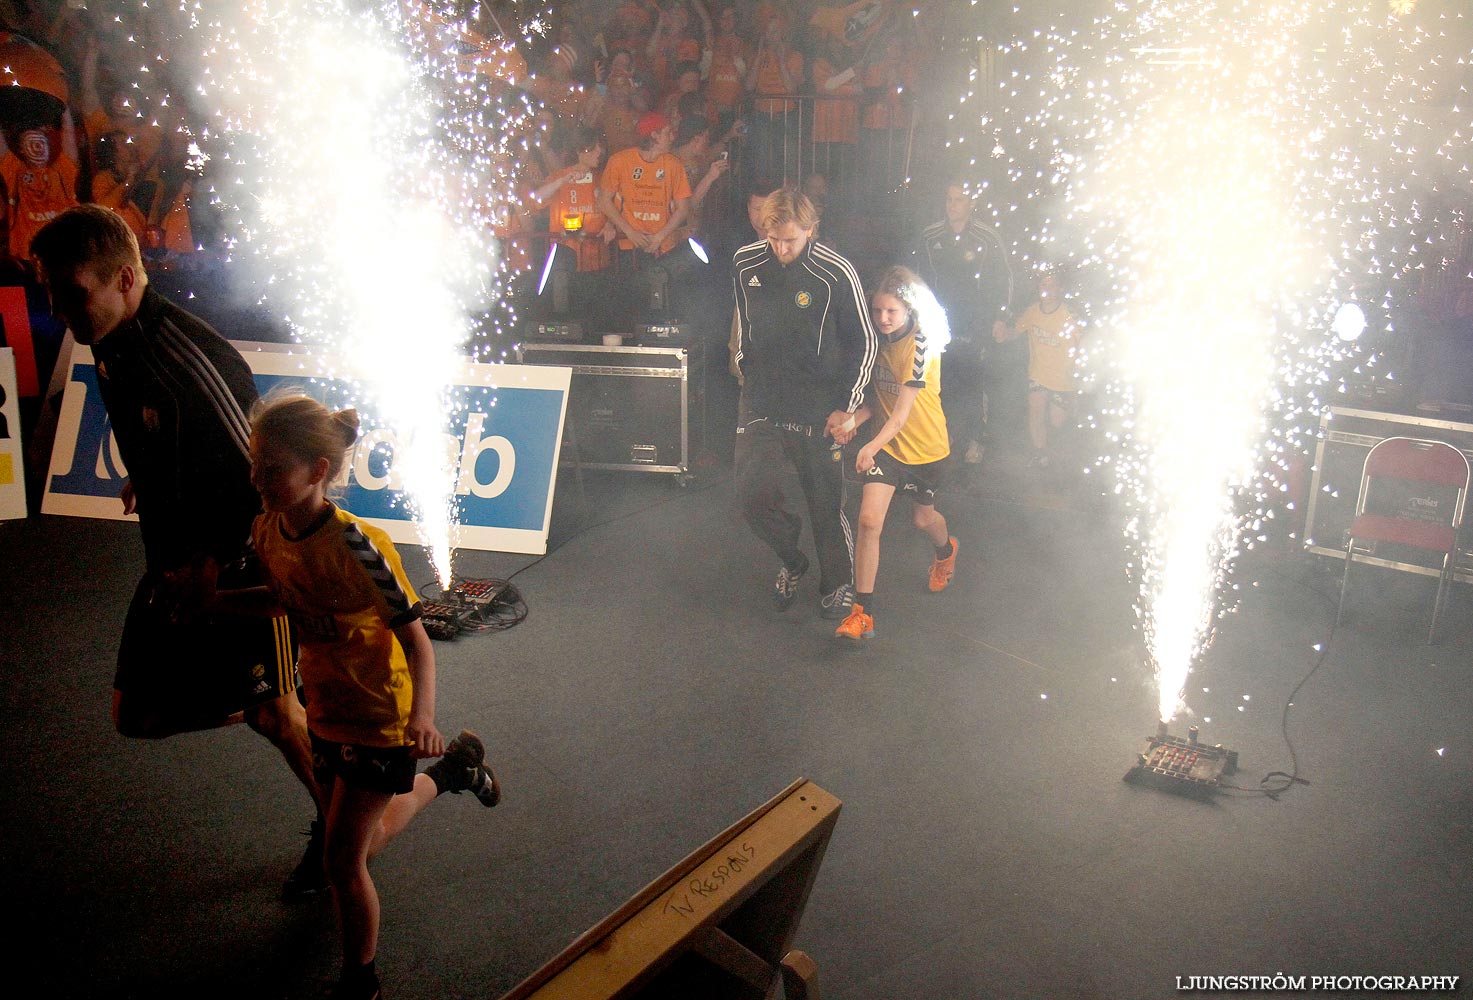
(365, 154)
(1223, 177)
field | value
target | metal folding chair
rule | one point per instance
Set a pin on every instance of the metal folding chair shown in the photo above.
(1425, 463)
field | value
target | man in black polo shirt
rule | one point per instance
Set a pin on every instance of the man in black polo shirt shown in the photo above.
(805, 352)
(176, 395)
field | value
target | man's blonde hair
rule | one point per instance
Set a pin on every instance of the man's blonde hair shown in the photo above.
(86, 237)
(787, 205)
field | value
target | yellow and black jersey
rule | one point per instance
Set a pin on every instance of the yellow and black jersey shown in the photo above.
(344, 588)
(1051, 339)
(908, 361)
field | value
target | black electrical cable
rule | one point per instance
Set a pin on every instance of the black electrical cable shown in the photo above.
(1283, 781)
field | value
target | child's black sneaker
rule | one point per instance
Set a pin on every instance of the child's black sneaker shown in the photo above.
(462, 769)
(486, 787)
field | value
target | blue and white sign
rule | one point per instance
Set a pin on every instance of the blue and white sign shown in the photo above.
(504, 430)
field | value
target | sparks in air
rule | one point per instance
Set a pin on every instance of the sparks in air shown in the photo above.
(366, 154)
(1235, 187)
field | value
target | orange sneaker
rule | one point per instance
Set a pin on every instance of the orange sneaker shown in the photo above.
(857, 626)
(941, 570)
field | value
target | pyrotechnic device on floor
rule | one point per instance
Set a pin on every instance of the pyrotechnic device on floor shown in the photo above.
(478, 592)
(1185, 766)
(473, 607)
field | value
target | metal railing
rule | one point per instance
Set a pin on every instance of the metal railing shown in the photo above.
(864, 151)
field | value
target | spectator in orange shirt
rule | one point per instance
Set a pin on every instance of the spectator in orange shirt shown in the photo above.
(726, 76)
(776, 73)
(115, 179)
(575, 219)
(687, 82)
(620, 72)
(616, 109)
(109, 106)
(645, 193)
(170, 228)
(767, 11)
(556, 87)
(776, 70)
(40, 183)
(890, 82)
(674, 42)
(836, 90)
(579, 226)
(644, 190)
(632, 24)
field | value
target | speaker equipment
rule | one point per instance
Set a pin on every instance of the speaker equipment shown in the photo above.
(664, 334)
(563, 331)
(633, 409)
(1347, 436)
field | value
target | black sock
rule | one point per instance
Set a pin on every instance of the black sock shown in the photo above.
(439, 773)
(866, 601)
(944, 551)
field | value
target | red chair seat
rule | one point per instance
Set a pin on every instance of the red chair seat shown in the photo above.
(1402, 531)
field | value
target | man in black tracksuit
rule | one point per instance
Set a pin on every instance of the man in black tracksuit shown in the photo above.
(966, 265)
(806, 348)
(177, 395)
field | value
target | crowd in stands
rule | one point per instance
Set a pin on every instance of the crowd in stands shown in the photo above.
(758, 93)
(97, 123)
(780, 88)
(755, 93)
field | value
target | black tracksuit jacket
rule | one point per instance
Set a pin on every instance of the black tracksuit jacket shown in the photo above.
(177, 395)
(807, 347)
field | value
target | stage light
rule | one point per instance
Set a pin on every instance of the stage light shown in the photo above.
(1349, 322)
(547, 268)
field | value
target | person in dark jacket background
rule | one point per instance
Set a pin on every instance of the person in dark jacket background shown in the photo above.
(966, 265)
(805, 352)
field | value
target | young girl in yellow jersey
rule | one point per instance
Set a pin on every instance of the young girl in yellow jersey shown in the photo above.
(368, 670)
(908, 450)
(1052, 337)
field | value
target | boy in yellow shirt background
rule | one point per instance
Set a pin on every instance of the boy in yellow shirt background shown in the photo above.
(1053, 334)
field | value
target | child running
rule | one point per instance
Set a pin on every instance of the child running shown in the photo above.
(367, 666)
(908, 450)
(1052, 338)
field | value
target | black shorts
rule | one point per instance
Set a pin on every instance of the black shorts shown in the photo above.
(212, 665)
(919, 482)
(1063, 400)
(379, 769)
